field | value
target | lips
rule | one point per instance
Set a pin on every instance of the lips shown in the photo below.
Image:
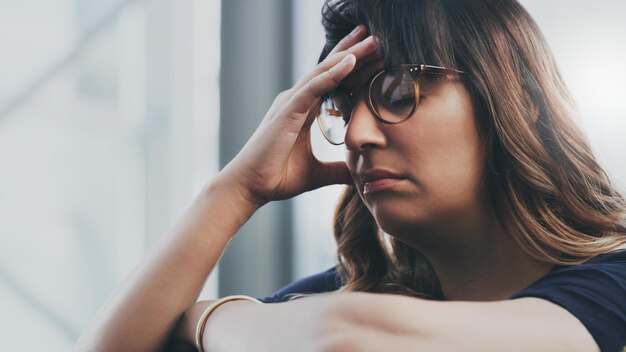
(378, 180)
(378, 174)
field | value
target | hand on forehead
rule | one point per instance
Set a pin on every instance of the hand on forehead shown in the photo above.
(366, 65)
(364, 72)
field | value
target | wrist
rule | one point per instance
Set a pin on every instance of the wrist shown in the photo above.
(235, 206)
(227, 184)
(232, 325)
(186, 329)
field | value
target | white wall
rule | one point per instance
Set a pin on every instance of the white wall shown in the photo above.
(108, 128)
(587, 39)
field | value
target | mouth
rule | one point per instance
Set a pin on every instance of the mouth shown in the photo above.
(378, 180)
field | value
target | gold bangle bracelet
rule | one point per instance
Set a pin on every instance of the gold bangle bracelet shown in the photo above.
(205, 315)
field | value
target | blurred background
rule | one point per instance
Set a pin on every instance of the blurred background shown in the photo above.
(113, 115)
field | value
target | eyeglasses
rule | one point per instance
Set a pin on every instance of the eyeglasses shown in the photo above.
(393, 96)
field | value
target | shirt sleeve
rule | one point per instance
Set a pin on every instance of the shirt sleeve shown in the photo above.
(325, 281)
(595, 294)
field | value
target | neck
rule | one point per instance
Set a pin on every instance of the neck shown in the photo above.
(477, 260)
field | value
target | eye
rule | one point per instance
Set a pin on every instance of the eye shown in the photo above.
(403, 101)
(399, 94)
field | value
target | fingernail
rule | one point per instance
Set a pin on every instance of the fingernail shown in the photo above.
(357, 30)
(347, 61)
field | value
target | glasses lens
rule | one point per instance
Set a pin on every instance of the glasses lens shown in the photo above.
(334, 116)
(393, 94)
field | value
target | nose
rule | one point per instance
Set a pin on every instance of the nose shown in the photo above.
(364, 129)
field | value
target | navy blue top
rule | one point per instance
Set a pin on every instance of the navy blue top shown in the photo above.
(594, 292)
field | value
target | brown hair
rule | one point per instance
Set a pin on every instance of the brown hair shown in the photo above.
(541, 175)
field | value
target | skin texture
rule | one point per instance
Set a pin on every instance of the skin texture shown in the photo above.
(356, 321)
(154, 309)
(439, 153)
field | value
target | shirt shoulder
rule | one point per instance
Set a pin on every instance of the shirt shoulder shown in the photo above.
(594, 292)
(325, 281)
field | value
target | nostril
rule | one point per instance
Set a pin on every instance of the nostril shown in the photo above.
(359, 148)
(368, 146)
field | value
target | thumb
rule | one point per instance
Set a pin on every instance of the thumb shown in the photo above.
(331, 173)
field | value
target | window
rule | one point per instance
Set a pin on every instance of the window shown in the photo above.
(108, 129)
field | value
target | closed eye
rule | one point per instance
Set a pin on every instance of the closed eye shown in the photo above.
(403, 101)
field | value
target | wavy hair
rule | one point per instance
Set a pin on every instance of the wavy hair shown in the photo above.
(546, 185)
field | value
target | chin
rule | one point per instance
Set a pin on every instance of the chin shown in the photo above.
(399, 222)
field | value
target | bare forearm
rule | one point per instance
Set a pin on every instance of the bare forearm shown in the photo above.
(393, 314)
(245, 326)
(351, 321)
(139, 315)
(233, 326)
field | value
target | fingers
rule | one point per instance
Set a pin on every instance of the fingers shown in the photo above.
(314, 111)
(327, 76)
(332, 173)
(316, 87)
(357, 34)
(373, 57)
(358, 76)
(360, 50)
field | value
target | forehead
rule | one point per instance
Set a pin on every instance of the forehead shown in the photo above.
(363, 73)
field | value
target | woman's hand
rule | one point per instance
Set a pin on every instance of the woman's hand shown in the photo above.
(277, 162)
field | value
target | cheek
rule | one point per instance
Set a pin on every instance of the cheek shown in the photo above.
(450, 150)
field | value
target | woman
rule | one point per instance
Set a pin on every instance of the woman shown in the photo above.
(476, 216)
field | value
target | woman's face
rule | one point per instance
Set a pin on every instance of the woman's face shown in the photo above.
(436, 153)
